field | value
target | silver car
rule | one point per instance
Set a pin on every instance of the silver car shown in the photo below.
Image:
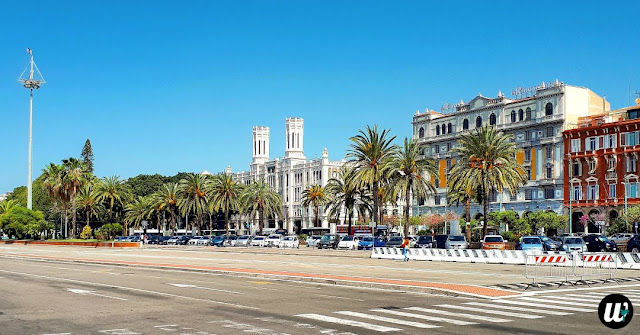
(456, 242)
(312, 240)
(243, 241)
(573, 244)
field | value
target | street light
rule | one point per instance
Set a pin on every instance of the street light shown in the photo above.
(31, 83)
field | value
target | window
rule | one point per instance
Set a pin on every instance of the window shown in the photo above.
(493, 196)
(513, 197)
(448, 165)
(632, 161)
(591, 143)
(630, 138)
(549, 193)
(513, 116)
(436, 200)
(465, 124)
(479, 121)
(575, 145)
(549, 171)
(592, 166)
(448, 146)
(612, 191)
(548, 109)
(449, 128)
(492, 119)
(527, 155)
(577, 169)
(437, 130)
(549, 131)
(520, 115)
(549, 151)
(610, 141)
(528, 114)
(437, 148)
(632, 190)
(527, 194)
(527, 135)
(612, 163)
(421, 132)
(592, 192)
(443, 129)
(577, 193)
(527, 170)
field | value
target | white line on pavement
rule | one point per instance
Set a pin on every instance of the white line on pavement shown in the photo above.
(557, 301)
(130, 289)
(575, 297)
(202, 288)
(352, 323)
(522, 309)
(524, 303)
(336, 297)
(386, 319)
(462, 315)
(423, 317)
(480, 310)
(85, 292)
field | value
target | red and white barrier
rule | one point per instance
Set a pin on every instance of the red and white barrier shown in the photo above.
(597, 258)
(551, 259)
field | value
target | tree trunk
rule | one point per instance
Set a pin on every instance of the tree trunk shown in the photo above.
(316, 210)
(73, 215)
(173, 219)
(226, 218)
(66, 222)
(211, 226)
(467, 211)
(260, 220)
(485, 203)
(375, 204)
(350, 214)
(407, 199)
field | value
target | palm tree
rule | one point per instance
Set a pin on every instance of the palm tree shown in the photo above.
(485, 163)
(7, 205)
(53, 176)
(315, 196)
(409, 170)
(88, 201)
(75, 176)
(167, 198)
(371, 153)
(192, 195)
(138, 210)
(112, 190)
(262, 199)
(344, 194)
(225, 195)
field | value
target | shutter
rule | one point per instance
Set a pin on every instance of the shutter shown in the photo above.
(600, 142)
(623, 139)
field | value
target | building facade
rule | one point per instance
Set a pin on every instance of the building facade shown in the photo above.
(289, 176)
(601, 165)
(536, 118)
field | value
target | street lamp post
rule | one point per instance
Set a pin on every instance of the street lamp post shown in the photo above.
(31, 83)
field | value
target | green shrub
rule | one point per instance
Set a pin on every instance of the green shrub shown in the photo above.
(302, 237)
(423, 232)
(86, 233)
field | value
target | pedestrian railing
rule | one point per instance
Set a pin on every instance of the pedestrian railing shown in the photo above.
(549, 267)
(596, 266)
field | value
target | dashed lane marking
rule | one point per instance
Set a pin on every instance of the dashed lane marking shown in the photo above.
(331, 319)
(386, 319)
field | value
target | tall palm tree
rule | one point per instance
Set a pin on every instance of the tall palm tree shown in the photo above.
(260, 198)
(409, 170)
(112, 190)
(315, 196)
(371, 153)
(138, 210)
(345, 194)
(485, 163)
(192, 195)
(75, 176)
(225, 195)
(88, 201)
(167, 198)
(53, 183)
(7, 205)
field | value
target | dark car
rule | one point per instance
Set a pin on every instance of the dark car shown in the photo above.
(380, 241)
(441, 241)
(395, 242)
(183, 240)
(424, 241)
(328, 241)
(219, 240)
(163, 240)
(153, 239)
(633, 245)
(550, 244)
(597, 242)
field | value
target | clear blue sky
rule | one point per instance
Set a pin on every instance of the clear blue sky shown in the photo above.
(163, 87)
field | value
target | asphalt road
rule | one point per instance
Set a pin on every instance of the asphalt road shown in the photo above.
(67, 298)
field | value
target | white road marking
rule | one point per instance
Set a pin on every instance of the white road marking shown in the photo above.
(336, 297)
(303, 325)
(386, 319)
(521, 309)
(463, 315)
(352, 323)
(423, 317)
(169, 328)
(202, 288)
(119, 332)
(481, 310)
(524, 303)
(575, 297)
(131, 289)
(56, 333)
(85, 292)
(557, 301)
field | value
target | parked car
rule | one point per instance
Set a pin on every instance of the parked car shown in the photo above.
(598, 242)
(257, 241)
(183, 240)
(380, 241)
(493, 242)
(173, 240)
(312, 240)
(441, 241)
(634, 244)
(530, 243)
(230, 241)
(328, 241)
(120, 239)
(395, 241)
(243, 241)
(365, 242)
(550, 244)
(424, 241)
(205, 240)
(194, 240)
(290, 241)
(621, 238)
(573, 244)
(219, 240)
(163, 240)
(348, 242)
(273, 240)
(153, 239)
(134, 238)
(456, 242)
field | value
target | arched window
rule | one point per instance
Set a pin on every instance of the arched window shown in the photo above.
(421, 132)
(492, 119)
(465, 124)
(443, 129)
(527, 115)
(479, 121)
(520, 115)
(513, 116)
(437, 130)
(449, 128)
(548, 109)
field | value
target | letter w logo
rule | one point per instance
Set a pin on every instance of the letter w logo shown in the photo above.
(616, 315)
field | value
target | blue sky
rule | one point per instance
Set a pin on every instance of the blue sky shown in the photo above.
(163, 87)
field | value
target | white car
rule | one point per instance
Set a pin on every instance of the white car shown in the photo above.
(205, 240)
(243, 241)
(456, 242)
(257, 241)
(621, 238)
(273, 240)
(349, 242)
(194, 240)
(290, 241)
(230, 241)
(312, 240)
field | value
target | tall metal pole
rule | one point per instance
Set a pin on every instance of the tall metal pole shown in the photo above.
(626, 218)
(30, 174)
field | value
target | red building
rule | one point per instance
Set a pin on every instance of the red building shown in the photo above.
(601, 167)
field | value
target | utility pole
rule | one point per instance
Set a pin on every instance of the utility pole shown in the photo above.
(31, 83)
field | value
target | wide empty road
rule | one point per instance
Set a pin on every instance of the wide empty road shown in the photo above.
(48, 297)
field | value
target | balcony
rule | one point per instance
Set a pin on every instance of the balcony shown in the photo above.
(611, 175)
(550, 118)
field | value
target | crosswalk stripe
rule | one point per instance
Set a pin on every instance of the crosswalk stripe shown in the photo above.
(480, 310)
(423, 317)
(575, 297)
(524, 303)
(331, 319)
(555, 301)
(386, 319)
(522, 309)
(626, 293)
(462, 315)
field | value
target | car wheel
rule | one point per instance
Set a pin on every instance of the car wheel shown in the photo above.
(635, 250)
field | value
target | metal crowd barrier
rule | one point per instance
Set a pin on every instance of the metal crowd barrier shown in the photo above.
(596, 265)
(549, 267)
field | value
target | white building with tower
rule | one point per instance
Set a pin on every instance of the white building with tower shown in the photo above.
(289, 176)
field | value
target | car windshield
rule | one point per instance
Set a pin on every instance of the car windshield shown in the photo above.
(493, 239)
(395, 239)
(458, 238)
(277, 237)
(573, 241)
(243, 237)
(531, 240)
(258, 238)
(347, 238)
(367, 239)
(327, 237)
(288, 238)
(424, 239)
